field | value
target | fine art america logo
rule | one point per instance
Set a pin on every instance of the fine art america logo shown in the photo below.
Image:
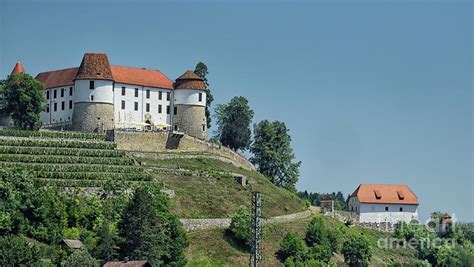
(434, 233)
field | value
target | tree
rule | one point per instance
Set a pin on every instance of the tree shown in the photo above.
(292, 245)
(317, 232)
(16, 251)
(201, 71)
(356, 250)
(273, 155)
(150, 231)
(81, 258)
(233, 120)
(241, 226)
(23, 101)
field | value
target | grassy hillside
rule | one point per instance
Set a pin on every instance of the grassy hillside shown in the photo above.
(207, 188)
(215, 248)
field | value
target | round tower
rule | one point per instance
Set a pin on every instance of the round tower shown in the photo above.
(189, 103)
(93, 95)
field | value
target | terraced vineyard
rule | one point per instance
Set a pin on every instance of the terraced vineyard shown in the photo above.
(69, 159)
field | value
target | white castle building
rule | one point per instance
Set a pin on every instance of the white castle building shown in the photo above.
(98, 96)
(377, 203)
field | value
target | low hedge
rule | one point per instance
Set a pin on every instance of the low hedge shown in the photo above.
(94, 176)
(73, 167)
(57, 143)
(53, 134)
(60, 151)
(64, 159)
(85, 183)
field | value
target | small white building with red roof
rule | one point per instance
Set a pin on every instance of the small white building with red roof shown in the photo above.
(377, 203)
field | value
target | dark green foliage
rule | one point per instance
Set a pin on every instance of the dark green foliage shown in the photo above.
(201, 71)
(53, 134)
(317, 233)
(57, 143)
(150, 231)
(240, 226)
(292, 245)
(24, 100)
(273, 155)
(74, 167)
(80, 258)
(315, 199)
(356, 250)
(64, 159)
(60, 151)
(233, 120)
(16, 251)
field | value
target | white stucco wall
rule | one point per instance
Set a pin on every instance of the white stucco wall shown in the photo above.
(189, 97)
(60, 115)
(129, 114)
(103, 91)
(374, 212)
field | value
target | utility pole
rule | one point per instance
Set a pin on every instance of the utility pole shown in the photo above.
(256, 253)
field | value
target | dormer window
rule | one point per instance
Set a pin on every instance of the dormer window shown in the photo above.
(401, 196)
(91, 85)
(377, 194)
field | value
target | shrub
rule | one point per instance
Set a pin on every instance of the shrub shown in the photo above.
(292, 245)
(65, 159)
(317, 232)
(80, 258)
(356, 250)
(16, 251)
(53, 134)
(240, 225)
(57, 143)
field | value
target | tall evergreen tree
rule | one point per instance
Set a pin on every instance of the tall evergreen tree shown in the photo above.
(233, 120)
(150, 231)
(201, 71)
(23, 100)
(273, 155)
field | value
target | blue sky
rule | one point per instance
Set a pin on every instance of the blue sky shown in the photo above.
(373, 92)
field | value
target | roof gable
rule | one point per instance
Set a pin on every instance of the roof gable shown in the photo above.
(57, 78)
(385, 194)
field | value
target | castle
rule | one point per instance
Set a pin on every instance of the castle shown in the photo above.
(98, 96)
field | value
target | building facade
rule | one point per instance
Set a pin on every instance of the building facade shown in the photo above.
(98, 96)
(378, 203)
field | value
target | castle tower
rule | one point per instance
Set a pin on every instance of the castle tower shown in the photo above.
(189, 114)
(93, 96)
(18, 69)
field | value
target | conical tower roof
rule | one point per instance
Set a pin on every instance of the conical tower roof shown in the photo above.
(18, 69)
(94, 66)
(189, 80)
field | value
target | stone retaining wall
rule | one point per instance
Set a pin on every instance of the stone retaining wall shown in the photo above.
(163, 142)
(353, 218)
(200, 224)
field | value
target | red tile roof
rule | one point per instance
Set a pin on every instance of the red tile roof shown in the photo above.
(385, 194)
(57, 78)
(94, 66)
(18, 69)
(189, 80)
(143, 77)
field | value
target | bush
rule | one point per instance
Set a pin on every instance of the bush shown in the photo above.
(53, 134)
(240, 225)
(57, 143)
(16, 251)
(356, 250)
(74, 167)
(317, 232)
(65, 159)
(292, 245)
(60, 151)
(80, 258)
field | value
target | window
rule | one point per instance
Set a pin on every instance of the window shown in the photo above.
(92, 98)
(55, 106)
(204, 127)
(136, 92)
(70, 90)
(70, 104)
(47, 94)
(176, 127)
(62, 92)
(159, 108)
(136, 105)
(147, 107)
(91, 85)
(47, 108)
(123, 90)
(147, 93)
(175, 110)
(55, 93)
(160, 95)
(168, 96)
(123, 104)
(200, 97)
(386, 208)
(62, 105)
(167, 109)
(401, 208)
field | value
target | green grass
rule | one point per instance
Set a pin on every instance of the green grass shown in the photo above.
(214, 248)
(214, 193)
(53, 134)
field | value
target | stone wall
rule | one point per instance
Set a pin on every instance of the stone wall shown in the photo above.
(93, 117)
(162, 142)
(353, 218)
(190, 120)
